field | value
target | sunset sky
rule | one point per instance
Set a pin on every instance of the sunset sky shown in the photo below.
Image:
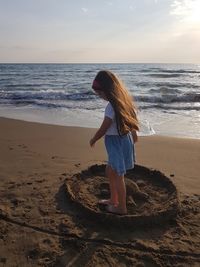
(93, 31)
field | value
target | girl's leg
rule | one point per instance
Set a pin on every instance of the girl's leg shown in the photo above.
(120, 189)
(112, 183)
(113, 189)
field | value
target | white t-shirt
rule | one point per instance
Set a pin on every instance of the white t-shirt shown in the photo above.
(110, 113)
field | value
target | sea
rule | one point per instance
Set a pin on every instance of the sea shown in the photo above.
(167, 96)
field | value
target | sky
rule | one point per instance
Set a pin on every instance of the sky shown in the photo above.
(100, 31)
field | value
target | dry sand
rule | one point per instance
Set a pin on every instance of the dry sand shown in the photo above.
(39, 227)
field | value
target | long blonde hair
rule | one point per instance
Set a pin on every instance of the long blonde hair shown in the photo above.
(122, 103)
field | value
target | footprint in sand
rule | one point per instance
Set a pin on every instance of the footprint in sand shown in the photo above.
(77, 165)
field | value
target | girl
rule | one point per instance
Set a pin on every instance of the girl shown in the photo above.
(119, 128)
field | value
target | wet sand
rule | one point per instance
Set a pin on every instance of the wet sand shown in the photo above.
(40, 227)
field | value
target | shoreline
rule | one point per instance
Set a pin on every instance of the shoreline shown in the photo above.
(94, 128)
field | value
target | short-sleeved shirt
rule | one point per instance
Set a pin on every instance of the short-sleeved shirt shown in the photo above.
(110, 113)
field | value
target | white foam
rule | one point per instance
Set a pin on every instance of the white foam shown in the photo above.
(151, 123)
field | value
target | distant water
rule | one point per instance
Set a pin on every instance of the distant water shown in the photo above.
(167, 95)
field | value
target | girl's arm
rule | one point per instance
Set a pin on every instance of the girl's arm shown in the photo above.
(102, 130)
(134, 135)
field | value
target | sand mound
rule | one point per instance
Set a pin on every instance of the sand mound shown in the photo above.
(151, 196)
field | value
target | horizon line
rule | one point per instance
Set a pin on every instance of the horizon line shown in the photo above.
(100, 63)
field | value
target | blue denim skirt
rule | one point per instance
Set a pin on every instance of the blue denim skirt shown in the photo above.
(121, 152)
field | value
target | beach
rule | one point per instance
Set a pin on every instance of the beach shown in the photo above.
(38, 226)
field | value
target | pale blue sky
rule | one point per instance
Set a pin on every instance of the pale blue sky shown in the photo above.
(100, 31)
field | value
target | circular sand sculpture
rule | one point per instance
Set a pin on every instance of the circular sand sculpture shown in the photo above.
(151, 196)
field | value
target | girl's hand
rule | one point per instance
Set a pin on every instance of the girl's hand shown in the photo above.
(102, 130)
(92, 142)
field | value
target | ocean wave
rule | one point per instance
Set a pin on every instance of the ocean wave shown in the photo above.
(150, 84)
(161, 95)
(179, 71)
(50, 95)
(165, 90)
(165, 75)
(165, 107)
(29, 85)
(178, 85)
(169, 98)
(46, 104)
(168, 107)
(175, 71)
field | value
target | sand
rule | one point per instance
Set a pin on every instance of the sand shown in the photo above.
(40, 227)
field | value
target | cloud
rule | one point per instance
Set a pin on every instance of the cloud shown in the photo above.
(181, 8)
(186, 9)
(109, 3)
(84, 9)
(187, 13)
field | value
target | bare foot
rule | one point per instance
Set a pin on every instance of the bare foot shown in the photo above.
(115, 210)
(107, 202)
